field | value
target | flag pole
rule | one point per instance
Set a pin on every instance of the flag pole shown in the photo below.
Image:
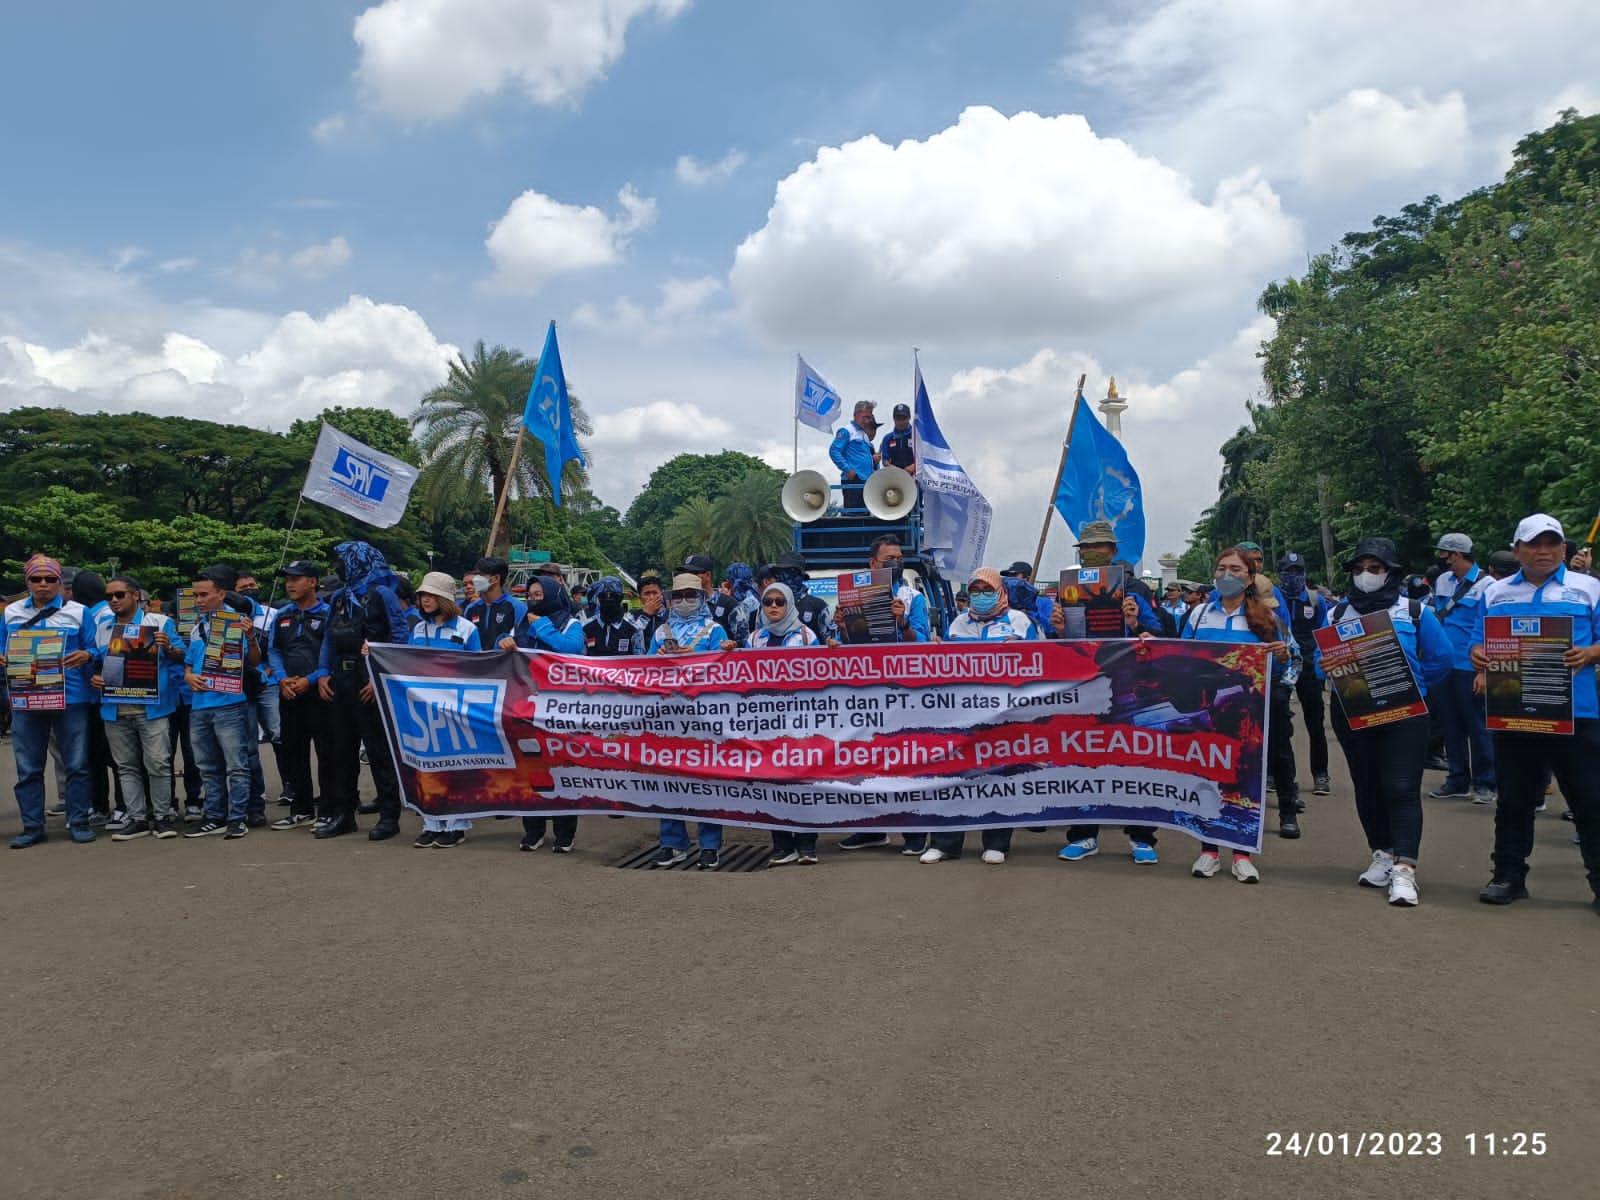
(284, 553)
(1061, 469)
(505, 492)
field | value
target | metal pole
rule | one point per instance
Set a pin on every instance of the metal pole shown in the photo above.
(505, 492)
(1061, 469)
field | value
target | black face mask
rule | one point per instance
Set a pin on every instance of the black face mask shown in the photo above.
(611, 608)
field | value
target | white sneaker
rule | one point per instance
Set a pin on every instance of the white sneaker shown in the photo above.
(931, 855)
(1205, 866)
(1377, 874)
(994, 857)
(1403, 886)
(1244, 870)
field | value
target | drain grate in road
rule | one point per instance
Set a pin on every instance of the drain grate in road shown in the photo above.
(735, 858)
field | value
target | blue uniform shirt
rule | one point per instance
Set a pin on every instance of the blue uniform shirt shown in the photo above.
(1564, 594)
(1459, 616)
(1424, 641)
(852, 451)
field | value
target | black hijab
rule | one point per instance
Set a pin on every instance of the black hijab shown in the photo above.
(1382, 549)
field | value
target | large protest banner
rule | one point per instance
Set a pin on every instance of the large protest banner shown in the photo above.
(873, 737)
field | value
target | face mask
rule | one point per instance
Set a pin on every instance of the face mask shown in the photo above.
(1293, 584)
(1229, 586)
(686, 608)
(611, 607)
(983, 602)
(480, 584)
(1095, 557)
(1367, 582)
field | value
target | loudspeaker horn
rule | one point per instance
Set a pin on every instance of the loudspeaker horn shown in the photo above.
(805, 496)
(889, 494)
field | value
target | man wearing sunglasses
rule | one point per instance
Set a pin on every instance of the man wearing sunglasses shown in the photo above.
(44, 608)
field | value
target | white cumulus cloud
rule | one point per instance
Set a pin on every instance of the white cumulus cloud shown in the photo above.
(539, 238)
(998, 227)
(1369, 135)
(693, 173)
(427, 59)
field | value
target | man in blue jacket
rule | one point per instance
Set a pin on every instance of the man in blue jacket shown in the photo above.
(1307, 612)
(853, 454)
(1457, 602)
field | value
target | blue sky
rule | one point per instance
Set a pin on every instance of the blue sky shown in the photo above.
(251, 212)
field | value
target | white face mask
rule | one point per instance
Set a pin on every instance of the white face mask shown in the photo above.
(1368, 582)
(686, 608)
(480, 584)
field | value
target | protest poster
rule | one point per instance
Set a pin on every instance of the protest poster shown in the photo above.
(35, 677)
(1528, 686)
(1363, 658)
(188, 612)
(130, 673)
(903, 738)
(223, 665)
(1091, 602)
(863, 614)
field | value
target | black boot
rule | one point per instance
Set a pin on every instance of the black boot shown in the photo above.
(386, 828)
(336, 826)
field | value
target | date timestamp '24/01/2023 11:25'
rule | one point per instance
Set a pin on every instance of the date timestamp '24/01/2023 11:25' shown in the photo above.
(1396, 1144)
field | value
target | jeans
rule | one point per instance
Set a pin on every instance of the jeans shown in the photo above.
(799, 840)
(30, 741)
(1386, 771)
(220, 737)
(1467, 745)
(1313, 704)
(142, 748)
(1522, 759)
(675, 835)
(993, 839)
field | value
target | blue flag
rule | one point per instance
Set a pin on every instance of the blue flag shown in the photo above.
(1100, 484)
(955, 515)
(548, 414)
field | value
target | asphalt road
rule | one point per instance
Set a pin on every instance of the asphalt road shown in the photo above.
(278, 1017)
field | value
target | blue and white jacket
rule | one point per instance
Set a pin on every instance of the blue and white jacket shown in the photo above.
(167, 694)
(1210, 622)
(1424, 641)
(1011, 625)
(458, 633)
(73, 621)
(797, 637)
(1460, 616)
(852, 451)
(1564, 594)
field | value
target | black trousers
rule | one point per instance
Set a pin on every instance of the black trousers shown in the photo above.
(852, 497)
(193, 788)
(1386, 771)
(306, 723)
(1313, 706)
(352, 725)
(1520, 761)
(993, 839)
(566, 828)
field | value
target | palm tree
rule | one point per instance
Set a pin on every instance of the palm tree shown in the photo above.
(690, 530)
(468, 425)
(751, 525)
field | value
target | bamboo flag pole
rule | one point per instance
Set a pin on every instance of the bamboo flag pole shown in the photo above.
(505, 492)
(1061, 469)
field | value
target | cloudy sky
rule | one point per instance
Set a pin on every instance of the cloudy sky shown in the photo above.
(251, 212)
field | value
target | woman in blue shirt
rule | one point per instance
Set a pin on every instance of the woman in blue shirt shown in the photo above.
(440, 626)
(778, 627)
(1238, 614)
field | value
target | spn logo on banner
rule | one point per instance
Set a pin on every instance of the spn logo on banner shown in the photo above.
(448, 724)
(356, 479)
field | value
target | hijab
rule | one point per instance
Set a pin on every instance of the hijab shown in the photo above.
(556, 602)
(1002, 602)
(685, 630)
(362, 566)
(1383, 549)
(780, 629)
(743, 580)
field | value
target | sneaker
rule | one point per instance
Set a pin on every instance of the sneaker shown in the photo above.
(914, 845)
(561, 848)
(1487, 796)
(96, 820)
(994, 857)
(710, 859)
(285, 801)
(1503, 891)
(165, 827)
(932, 855)
(130, 830)
(808, 859)
(1272, 785)
(531, 846)
(1567, 816)
(1319, 784)
(1206, 865)
(783, 858)
(28, 837)
(449, 839)
(118, 820)
(1403, 886)
(1449, 791)
(293, 821)
(1288, 827)
(1079, 850)
(1379, 871)
(56, 810)
(1144, 853)
(365, 761)
(426, 838)
(864, 841)
(206, 828)
(81, 834)
(1244, 870)
(192, 814)
(669, 856)
(236, 830)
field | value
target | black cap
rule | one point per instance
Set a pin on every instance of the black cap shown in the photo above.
(1380, 548)
(303, 568)
(791, 560)
(902, 410)
(1291, 562)
(700, 564)
(1018, 570)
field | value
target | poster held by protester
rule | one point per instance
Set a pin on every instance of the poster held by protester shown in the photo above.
(1529, 687)
(1363, 657)
(35, 677)
(188, 612)
(1091, 602)
(131, 670)
(223, 665)
(901, 738)
(863, 614)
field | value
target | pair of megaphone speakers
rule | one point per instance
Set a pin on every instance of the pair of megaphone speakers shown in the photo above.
(889, 495)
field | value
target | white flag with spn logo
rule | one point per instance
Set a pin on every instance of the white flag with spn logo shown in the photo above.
(815, 402)
(356, 479)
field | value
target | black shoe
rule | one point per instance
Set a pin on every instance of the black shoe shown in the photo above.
(427, 838)
(1502, 891)
(293, 821)
(1319, 784)
(1436, 763)
(915, 843)
(384, 830)
(562, 848)
(449, 839)
(1567, 816)
(1288, 827)
(236, 829)
(669, 856)
(864, 841)
(131, 830)
(336, 826)
(710, 860)
(206, 828)
(366, 810)
(165, 827)
(256, 822)
(530, 843)
(1299, 805)
(284, 801)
